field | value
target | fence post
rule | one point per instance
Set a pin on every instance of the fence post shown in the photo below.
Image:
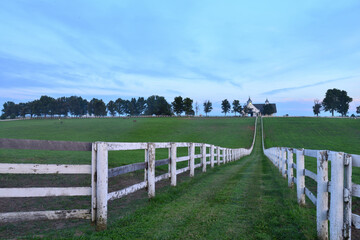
(218, 155)
(151, 170)
(347, 195)
(337, 196)
(102, 185)
(93, 182)
(290, 171)
(300, 176)
(223, 153)
(173, 164)
(147, 161)
(322, 199)
(283, 152)
(212, 156)
(192, 159)
(204, 157)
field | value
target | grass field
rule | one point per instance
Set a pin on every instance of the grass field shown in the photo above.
(226, 132)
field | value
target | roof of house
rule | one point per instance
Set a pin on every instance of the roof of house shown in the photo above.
(261, 107)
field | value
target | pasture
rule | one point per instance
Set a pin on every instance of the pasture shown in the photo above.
(227, 132)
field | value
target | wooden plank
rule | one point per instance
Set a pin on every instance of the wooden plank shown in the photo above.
(45, 192)
(355, 220)
(294, 165)
(7, 143)
(183, 144)
(26, 168)
(198, 156)
(355, 160)
(310, 153)
(197, 165)
(120, 146)
(126, 169)
(162, 177)
(181, 159)
(162, 162)
(310, 195)
(126, 191)
(355, 190)
(179, 171)
(162, 145)
(310, 174)
(45, 215)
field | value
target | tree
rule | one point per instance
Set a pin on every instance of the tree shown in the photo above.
(236, 107)
(188, 108)
(344, 101)
(62, 106)
(358, 109)
(225, 106)
(140, 105)
(78, 106)
(178, 105)
(97, 107)
(120, 106)
(157, 105)
(317, 107)
(207, 107)
(196, 108)
(10, 109)
(48, 105)
(268, 109)
(336, 100)
(111, 107)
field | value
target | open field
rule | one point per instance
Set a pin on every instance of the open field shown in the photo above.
(246, 199)
(227, 132)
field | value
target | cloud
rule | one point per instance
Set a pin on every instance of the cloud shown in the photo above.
(280, 90)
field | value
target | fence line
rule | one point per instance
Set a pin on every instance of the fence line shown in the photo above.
(100, 173)
(341, 187)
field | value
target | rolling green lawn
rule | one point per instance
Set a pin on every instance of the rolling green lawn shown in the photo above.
(335, 134)
(224, 132)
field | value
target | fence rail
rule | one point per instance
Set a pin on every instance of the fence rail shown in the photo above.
(209, 155)
(333, 211)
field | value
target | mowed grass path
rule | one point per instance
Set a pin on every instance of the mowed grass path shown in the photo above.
(246, 199)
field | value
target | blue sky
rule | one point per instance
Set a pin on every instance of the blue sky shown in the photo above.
(290, 52)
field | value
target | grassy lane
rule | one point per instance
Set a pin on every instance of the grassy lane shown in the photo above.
(247, 199)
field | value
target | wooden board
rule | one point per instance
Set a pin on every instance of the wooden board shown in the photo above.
(44, 215)
(7, 143)
(310, 174)
(126, 191)
(45, 192)
(126, 169)
(25, 168)
(310, 195)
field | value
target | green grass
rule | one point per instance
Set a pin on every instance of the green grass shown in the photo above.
(341, 135)
(225, 132)
(246, 199)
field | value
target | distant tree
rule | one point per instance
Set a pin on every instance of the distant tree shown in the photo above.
(268, 109)
(188, 108)
(48, 105)
(317, 107)
(178, 105)
(207, 107)
(120, 106)
(236, 107)
(344, 101)
(78, 106)
(97, 107)
(111, 107)
(140, 105)
(336, 100)
(196, 108)
(157, 105)
(247, 110)
(358, 109)
(36, 108)
(62, 106)
(131, 107)
(10, 109)
(23, 109)
(225, 106)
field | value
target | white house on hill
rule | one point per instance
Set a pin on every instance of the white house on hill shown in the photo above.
(257, 109)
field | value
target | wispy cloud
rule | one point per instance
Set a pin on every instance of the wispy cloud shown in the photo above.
(280, 90)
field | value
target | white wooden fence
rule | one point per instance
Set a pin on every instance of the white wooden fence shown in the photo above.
(341, 188)
(100, 173)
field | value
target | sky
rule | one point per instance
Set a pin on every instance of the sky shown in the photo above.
(290, 52)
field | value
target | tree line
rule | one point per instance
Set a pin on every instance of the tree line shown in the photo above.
(77, 106)
(335, 101)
